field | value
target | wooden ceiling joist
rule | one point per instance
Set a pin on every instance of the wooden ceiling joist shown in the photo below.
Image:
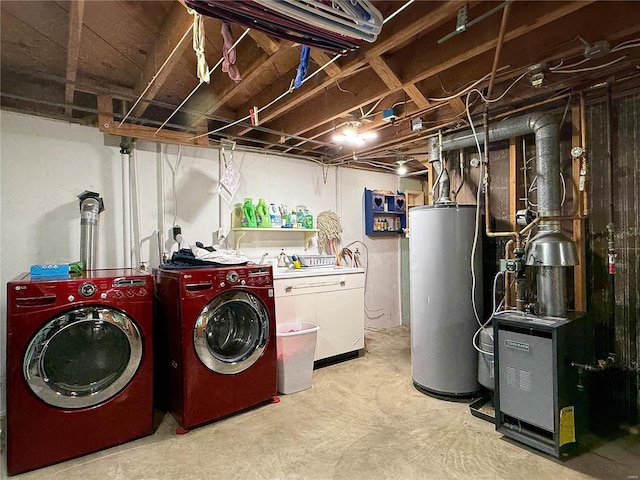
(76, 16)
(177, 23)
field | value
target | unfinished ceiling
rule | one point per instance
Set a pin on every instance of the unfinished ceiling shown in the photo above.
(93, 62)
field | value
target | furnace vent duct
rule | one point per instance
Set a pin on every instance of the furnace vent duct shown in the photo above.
(549, 244)
(90, 207)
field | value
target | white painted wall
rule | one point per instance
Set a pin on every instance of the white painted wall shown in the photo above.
(45, 164)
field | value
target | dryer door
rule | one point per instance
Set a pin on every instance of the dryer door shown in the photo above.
(83, 357)
(231, 332)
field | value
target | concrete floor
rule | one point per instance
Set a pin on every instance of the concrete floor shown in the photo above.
(362, 419)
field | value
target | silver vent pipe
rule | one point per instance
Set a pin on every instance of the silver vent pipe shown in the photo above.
(90, 207)
(549, 249)
(442, 180)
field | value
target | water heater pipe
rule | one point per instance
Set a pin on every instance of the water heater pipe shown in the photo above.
(551, 283)
(442, 180)
(545, 129)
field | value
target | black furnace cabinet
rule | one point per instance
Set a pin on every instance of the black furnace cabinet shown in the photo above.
(540, 399)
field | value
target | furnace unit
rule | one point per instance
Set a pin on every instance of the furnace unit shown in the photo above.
(540, 399)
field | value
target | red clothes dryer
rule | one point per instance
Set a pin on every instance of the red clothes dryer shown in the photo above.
(79, 365)
(221, 342)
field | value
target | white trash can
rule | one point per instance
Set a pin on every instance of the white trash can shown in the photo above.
(296, 345)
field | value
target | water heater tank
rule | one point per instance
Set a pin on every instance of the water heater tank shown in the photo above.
(443, 359)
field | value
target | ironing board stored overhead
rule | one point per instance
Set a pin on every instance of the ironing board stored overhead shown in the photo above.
(337, 27)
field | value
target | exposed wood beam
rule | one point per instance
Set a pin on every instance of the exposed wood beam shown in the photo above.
(424, 64)
(76, 16)
(202, 100)
(321, 58)
(323, 109)
(457, 105)
(264, 41)
(419, 17)
(107, 124)
(385, 73)
(522, 21)
(394, 83)
(416, 95)
(579, 230)
(173, 28)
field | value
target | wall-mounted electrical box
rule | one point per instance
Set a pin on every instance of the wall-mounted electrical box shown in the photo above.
(389, 115)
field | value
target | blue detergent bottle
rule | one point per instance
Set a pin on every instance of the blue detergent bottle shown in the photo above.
(250, 213)
(274, 215)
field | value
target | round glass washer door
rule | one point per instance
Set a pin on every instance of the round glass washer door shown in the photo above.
(231, 332)
(83, 357)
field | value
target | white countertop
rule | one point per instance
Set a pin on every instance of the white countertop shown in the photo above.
(279, 272)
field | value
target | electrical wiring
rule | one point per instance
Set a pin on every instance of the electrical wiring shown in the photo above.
(493, 100)
(589, 69)
(366, 115)
(174, 174)
(561, 64)
(624, 44)
(366, 273)
(493, 312)
(344, 89)
(465, 89)
(566, 109)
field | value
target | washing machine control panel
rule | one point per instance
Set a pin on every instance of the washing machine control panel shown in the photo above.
(243, 276)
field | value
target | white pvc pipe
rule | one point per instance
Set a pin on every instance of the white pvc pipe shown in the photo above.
(161, 203)
(135, 210)
(126, 212)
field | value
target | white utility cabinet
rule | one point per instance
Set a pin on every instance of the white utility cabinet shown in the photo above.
(332, 298)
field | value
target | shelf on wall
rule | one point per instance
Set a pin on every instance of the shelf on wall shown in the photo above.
(309, 233)
(384, 207)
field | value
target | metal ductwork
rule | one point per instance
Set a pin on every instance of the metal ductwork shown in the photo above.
(90, 207)
(549, 249)
(442, 179)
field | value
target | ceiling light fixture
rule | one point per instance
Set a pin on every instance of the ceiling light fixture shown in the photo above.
(350, 135)
(402, 169)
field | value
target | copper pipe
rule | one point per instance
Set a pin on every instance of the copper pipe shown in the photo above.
(496, 57)
(584, 200)
(485, 117)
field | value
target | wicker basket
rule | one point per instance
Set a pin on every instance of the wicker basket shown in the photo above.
(317, 260)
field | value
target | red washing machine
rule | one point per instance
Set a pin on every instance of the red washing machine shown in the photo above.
(79, 365)
(221, 340)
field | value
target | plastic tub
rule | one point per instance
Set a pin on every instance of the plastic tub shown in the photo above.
(296, 344)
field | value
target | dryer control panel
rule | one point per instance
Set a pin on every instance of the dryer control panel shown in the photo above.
(96, 286)
(225, 277)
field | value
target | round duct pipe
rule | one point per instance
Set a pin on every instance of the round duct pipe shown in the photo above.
(90, 207)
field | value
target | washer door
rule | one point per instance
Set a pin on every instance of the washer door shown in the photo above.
(83, 357)
(231, 332)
